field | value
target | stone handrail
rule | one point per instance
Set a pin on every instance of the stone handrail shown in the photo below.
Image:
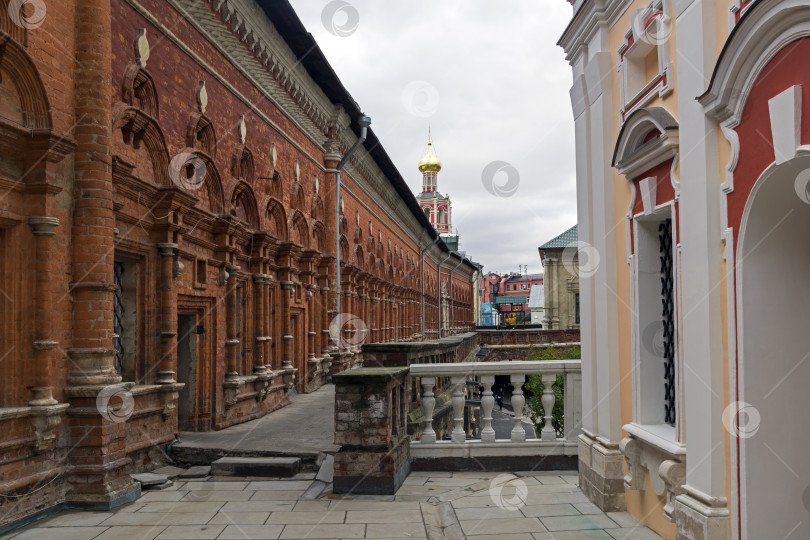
(485, 373)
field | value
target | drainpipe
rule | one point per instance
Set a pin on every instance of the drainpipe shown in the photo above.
(427, 247)
(439, 292)
(452, 302)
(364, 121)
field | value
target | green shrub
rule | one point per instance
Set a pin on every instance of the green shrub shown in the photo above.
(535, 385)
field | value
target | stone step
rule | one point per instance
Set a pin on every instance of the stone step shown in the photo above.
(256, 466)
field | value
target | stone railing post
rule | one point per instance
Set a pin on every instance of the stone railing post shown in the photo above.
(487, 404)
(428, 404)
(518, 401)
(548, 399)
(458, 435)
(371, 429)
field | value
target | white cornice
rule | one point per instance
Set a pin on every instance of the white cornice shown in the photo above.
(586, 21)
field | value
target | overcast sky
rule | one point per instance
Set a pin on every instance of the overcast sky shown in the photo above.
(492, 83)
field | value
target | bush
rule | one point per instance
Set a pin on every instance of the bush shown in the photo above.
(535, 385)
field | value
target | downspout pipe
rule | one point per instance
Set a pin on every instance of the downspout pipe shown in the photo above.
(364, 121)
(424, 250)
(452, 301)
(439, 292)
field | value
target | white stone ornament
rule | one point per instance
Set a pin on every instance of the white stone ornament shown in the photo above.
(142, 48)
(297, 169)
(316, 184)
(242, 130)
(273, 155)
(202, 97)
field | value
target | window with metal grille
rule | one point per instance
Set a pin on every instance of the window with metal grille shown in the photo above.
(118, 315)
(667, 315)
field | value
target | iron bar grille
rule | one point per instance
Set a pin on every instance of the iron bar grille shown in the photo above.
(118, 314)
(668, 316)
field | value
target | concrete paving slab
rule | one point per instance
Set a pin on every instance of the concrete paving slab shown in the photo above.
(327, 471)
(575, 523)
(501, 526)
(396, 530)
(179, 506)
(161, 496)
(201, 495)
(197, 471)
(251, 532)
(494, 512)
(270, 495)
(279, 485)
(573, 535)
(75, 519)
(307, 518)
(191, 532)
(58, 533)
(311, 506)
(623, 519)
(385, 516)
(258, 506)
(590, 508)
(150, 479)
(239, 518)
(145, 532)
(633, 533)
(549, 510)
(329, 530)
(170, 471)
(154, 518)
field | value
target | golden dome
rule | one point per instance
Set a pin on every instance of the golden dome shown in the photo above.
(430, 163)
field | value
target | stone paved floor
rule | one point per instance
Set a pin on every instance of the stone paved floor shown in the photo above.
(533, 506)
(305, 426)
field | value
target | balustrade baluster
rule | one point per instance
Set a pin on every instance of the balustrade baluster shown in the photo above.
(428, 403)
(518, 433)
(548, 399)
(487, 404)
(458, 436)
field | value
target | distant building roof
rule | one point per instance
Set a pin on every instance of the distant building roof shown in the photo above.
(537, 298)
(530, 277)
(566, 239)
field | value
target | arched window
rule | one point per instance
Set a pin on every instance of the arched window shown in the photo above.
(441, 216)
(427, 213)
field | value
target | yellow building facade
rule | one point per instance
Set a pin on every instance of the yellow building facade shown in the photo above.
(692, 126)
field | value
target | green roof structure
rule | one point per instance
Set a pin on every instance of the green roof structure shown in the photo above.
(566, 239)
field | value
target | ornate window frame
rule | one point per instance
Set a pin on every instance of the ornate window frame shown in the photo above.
(649, 31)
(649, 138)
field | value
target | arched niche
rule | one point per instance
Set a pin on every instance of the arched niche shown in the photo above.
(345, 252)
(318, 236)
(138, 91)
(276, 220)
(23, 100)
(359, 260)
(242, 166)
(141, 144)
(201, 135)
(244, 206)
(299, 230)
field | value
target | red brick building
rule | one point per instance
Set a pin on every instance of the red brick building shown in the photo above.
(168, 235)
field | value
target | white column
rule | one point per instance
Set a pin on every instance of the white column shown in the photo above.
(606, 349)
(704, 502)
(428, 403)
(585, 229)
(518, 401)
(458, 436)
(487, 404)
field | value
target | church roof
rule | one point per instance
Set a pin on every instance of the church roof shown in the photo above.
(566, 239)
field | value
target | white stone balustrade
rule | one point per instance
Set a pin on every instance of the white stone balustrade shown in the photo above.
(487, 445)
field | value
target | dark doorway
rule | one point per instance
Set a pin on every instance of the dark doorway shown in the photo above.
(186, 369)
